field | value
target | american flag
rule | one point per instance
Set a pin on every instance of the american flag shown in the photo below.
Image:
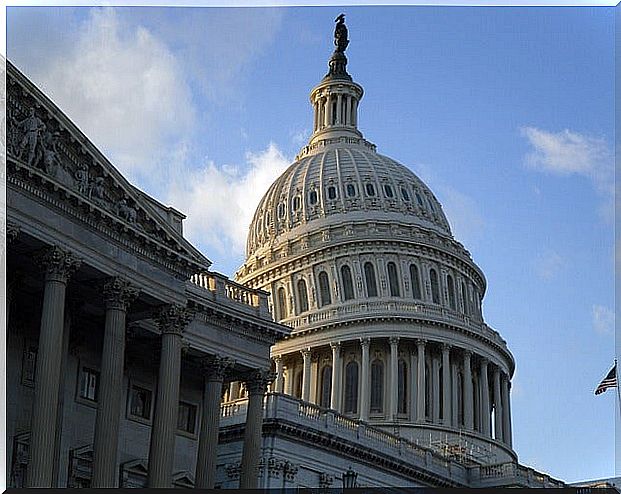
(610, 381)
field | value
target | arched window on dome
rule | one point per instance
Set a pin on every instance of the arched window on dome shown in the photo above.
(415, 280)
(419, 199)
(334, 110)
(351, 190)
(302, 295)
(324, 289)
(405, 194)
(312, 197)
(282, 210)
(331, 192)
(464, 296)
(388, 191)
(431, 206)
(348, 283)
(393, 280)
(435, 286)
(377, 386)
(351, 388)
(370, 188)
(402, 387)
(450, 285)
(282, 303)
(325, 390)
(369, 278)
(268, 218)
(296, 203)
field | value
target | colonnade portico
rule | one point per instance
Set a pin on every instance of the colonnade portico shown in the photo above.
(440, 382)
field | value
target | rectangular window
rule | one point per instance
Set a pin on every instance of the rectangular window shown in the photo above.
(186, 418)
(89, 384)
(140, 402)
(29, 364)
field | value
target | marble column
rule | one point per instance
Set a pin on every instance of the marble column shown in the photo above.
(364, 379)
(446, 384)
(214, 370)
(435, 387)
(118, 295)
(454, 392)
(413, 386)
(335, 399)
(280, 374)
(306, 374)
(172, 321)
(348, 111)
(498, 416)
(59, 265)
(468, 393)
(506, 420)
(256, 385)
(485, 407)
(420, 405)
(393, 341)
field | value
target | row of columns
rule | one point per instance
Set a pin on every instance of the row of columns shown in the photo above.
(118, 294)
(346, 107)
(496, 396)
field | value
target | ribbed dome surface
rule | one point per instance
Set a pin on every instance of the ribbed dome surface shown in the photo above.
(338, 180)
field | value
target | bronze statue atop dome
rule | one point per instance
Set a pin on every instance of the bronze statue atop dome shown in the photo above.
(340, 34)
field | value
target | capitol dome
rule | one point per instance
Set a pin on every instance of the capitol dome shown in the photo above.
(384, 304)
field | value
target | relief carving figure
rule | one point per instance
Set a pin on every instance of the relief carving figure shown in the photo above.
(81, 178)
(126, 212)
(31, 126)
(97, 191)
(48, 146)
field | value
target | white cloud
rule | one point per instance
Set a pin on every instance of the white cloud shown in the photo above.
(603, 319)
(548, 264)
(123, 87)
(220, 200)
(571, 153)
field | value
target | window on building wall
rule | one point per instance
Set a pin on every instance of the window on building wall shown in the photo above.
(281, 210)
(450, 285)
(393, 280)
(140, 402)
(435, 286)
(464, 296)
(427, 391)
(369, 277)
(296, 203)
(388, 191)
(326, 387)
(402, 386)
(348, 284)
(405, 194)
(331, 192)
(88, 382)
(351, 190)
(302, 295)
(460, 399)
(312, 197)
(370, 188)
(351, 387)
(186, 417)
(282, 303)
(324, 289)
(419, 199)
(415, 280)
(377, 386)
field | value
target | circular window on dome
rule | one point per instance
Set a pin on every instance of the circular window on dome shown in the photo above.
(388, 191)
(351, 190)
(312, 197)
(281, 210)
(331, 192)
(405, 194)
(370, 188)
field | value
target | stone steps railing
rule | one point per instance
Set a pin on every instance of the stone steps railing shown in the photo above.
(220, 288)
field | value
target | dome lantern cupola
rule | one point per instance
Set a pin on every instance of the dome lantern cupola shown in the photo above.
(335, 99)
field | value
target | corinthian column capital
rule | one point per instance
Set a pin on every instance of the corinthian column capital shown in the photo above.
(215, 367)
(174, 318)
(59, 264)
(258, 380)
(119, 293)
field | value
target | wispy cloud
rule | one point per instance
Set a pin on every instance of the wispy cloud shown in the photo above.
(571, 153)
(220, 200)
(548, 264)
(603, 319)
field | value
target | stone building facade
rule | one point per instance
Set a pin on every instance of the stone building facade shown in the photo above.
(119, 336)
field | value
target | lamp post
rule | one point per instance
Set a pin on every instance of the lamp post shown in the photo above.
(349, 479)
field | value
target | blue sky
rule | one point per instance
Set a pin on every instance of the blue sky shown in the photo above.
(506, 113)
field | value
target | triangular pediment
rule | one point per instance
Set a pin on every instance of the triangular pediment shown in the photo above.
(45, 148)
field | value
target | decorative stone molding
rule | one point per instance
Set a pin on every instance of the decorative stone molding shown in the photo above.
(233, 470)
(12, 232)
(290, 470)
(59, 264)
(119, 293)
(174, 318)
(325, 480)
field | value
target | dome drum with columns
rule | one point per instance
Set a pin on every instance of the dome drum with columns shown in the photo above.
(384, 303)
